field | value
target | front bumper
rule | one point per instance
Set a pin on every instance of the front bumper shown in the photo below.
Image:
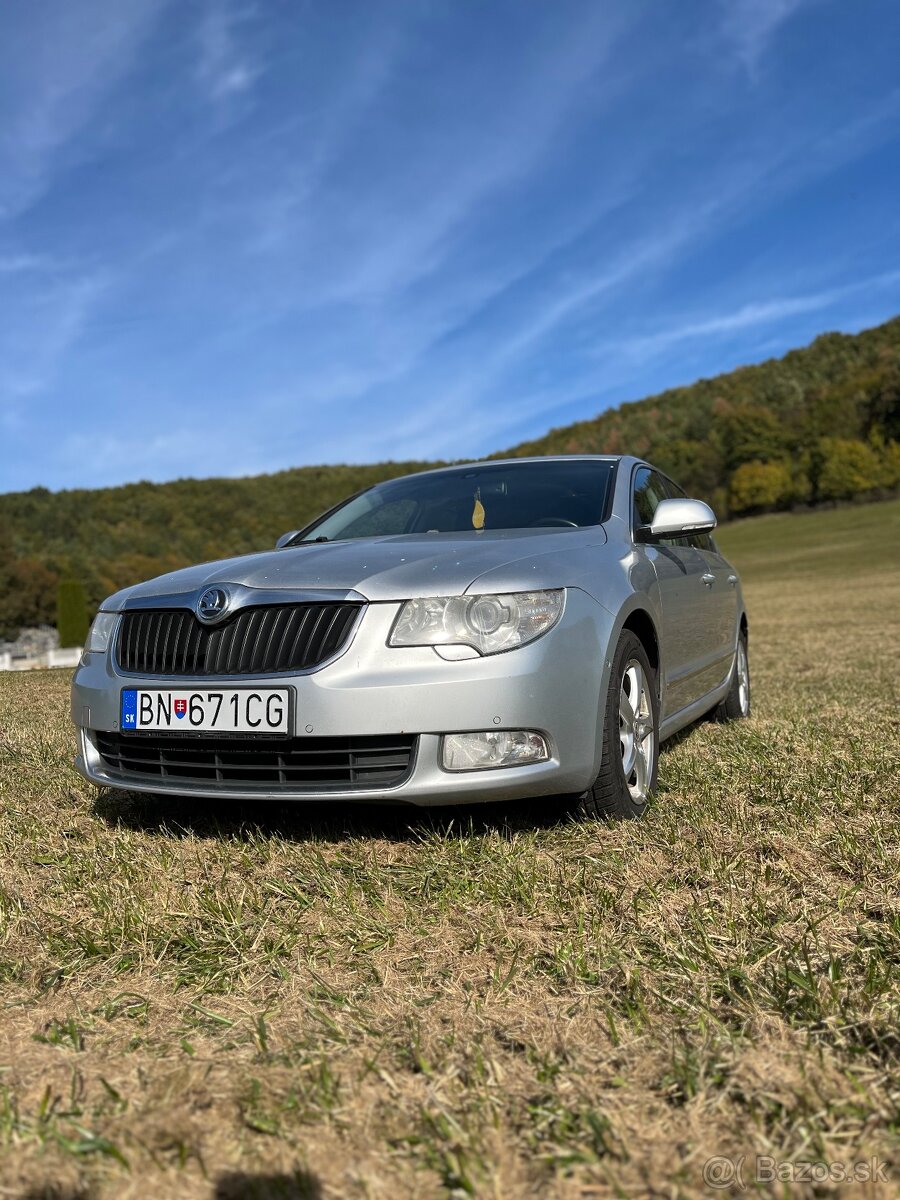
(553, 686)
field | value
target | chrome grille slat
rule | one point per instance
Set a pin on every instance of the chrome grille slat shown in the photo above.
(245, 629)
(183, 639)
(315, 633)
(196, 636)
(301, 622)
(329, 629)
(266, 616)
(224, 649)
(142, 637)
(156, 627)
(260, 640)
(283, 633)
(279, 618)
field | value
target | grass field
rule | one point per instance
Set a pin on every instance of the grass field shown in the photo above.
(323, 1003)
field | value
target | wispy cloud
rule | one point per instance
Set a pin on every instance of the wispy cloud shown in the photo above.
(280, 212)
(746, 317)
(750, 25)
(450, 171)
(59, 63)
(44, 327)
(467, 384)
(734, 189)
(20, 264)
(226, 68)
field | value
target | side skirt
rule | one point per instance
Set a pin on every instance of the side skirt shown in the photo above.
(693, 712)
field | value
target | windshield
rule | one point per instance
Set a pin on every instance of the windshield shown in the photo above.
(568, 493)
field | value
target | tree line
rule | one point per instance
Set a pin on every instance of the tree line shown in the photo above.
(108, 538)
(821, 424)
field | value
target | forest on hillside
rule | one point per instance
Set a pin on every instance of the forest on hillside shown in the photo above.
(107, 538)
(820, 425)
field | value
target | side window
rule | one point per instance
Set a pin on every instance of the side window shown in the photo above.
(649, 490)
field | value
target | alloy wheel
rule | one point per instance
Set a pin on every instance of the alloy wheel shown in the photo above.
(637, 734)
(743, 678)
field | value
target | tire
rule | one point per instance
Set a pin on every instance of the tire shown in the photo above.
(613, 795)
(736, 705)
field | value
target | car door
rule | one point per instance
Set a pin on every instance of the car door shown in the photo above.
(720, 602)
(679, 570)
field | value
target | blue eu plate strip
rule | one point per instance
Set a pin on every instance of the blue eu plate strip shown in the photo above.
(129, 709)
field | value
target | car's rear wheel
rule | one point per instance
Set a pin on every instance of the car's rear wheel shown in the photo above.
(736, 704)
(630, 738)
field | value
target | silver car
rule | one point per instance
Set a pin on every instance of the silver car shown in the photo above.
(530, 627)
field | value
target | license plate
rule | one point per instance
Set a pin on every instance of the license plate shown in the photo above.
(217, 710)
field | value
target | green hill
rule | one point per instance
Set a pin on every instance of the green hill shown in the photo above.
(792, 416)
(111, 537)
(821, 424)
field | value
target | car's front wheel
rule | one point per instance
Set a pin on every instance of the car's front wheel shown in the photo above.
(630, 737)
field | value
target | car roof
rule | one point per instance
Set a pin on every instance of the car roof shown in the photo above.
(500, 462)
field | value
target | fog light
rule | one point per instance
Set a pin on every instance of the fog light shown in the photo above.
(493, 748)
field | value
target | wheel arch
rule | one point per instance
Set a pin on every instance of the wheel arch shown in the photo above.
(641, 624)
(637, 616)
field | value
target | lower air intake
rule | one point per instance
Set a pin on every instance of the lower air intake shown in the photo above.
(295, 764)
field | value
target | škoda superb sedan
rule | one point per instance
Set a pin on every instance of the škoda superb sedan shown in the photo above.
(532, 627)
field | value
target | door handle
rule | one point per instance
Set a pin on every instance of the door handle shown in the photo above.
(732, 579)
(708, 579)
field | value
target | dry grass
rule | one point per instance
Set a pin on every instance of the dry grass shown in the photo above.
(379, 1004)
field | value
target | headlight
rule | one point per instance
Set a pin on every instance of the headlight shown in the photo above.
(487, 623)
(100, 633)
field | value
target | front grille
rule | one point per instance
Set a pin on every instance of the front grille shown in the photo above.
(255, 641)
(307, 763)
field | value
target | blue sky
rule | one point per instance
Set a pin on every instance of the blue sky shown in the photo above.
(237, 236)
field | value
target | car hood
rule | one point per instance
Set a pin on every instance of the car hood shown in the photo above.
(385, 568)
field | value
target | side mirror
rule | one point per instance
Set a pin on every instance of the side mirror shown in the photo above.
(285, 538)
(674, 518)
